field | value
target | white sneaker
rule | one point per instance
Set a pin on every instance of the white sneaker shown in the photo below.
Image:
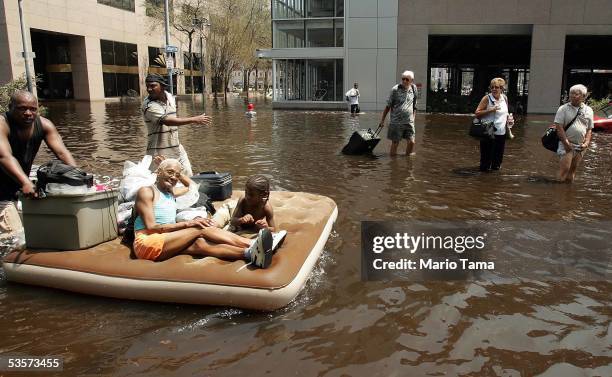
(277, 239)
(261, 249)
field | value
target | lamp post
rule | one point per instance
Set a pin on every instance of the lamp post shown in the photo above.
(26, 50)
(168, 53)
(201, 23)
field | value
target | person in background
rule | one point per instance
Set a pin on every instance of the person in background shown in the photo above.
(250, 113)
(402, 105)
(352, 96)
(574, 142)
(159, 111)
(22, 131)
(493, 107)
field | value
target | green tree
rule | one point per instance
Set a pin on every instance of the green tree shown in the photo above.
(239, 27)
(20, 83)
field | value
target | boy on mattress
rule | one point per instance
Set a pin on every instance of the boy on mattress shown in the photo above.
(157, 235)
(253, 211)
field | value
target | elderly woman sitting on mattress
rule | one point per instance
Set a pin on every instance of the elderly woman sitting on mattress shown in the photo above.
(158, 236)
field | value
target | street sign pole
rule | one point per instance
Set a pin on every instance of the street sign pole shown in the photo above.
(168, 56)
(26, 50)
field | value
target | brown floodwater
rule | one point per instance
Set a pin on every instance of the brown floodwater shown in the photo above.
(340, 325)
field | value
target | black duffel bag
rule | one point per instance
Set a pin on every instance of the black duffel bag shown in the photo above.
(482, 129)
(550, 139)
(58, 172)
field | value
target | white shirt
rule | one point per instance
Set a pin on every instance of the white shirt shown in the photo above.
(353, 95)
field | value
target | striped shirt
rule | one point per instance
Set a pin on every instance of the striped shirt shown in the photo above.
(161, 138)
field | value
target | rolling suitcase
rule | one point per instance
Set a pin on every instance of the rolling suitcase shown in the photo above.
(362, 142)
(218, 186)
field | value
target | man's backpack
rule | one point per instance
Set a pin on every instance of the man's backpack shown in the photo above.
(58, 172)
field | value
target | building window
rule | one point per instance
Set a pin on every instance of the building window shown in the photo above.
(289, 34)
(309, 80)
(321, 8)
(120, 68)
(197, 72)
(323, 26)
(155, 8)
(156, 57)
(307, 8)
(320, 33)
(121, 4)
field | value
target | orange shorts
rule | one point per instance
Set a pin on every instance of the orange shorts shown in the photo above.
(148, 245)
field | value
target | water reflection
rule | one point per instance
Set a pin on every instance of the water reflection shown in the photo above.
(339, 325)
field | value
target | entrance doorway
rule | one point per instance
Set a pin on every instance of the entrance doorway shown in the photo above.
(462, 66)
(584, 63)
(53, 65)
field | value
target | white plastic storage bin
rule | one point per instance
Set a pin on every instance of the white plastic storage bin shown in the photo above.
(70, 222)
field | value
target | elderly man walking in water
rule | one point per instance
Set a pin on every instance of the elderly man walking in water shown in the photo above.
(402, 105)
(159, 111)
(22, 131)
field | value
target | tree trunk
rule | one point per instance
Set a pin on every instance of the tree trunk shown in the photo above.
(256, 79)
(266, 82)
(245, 81)
(225, 81)
(191, 64)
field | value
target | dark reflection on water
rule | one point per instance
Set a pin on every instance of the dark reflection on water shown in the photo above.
(340, 325)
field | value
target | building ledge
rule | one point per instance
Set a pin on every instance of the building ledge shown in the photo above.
(302, 53)
(314, 105)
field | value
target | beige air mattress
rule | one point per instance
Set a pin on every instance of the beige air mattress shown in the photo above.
(109, 270)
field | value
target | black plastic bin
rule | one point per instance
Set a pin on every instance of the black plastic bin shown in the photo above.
(362, 142)
(218, 186)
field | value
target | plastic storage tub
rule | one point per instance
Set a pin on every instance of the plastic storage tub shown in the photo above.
(218, 186)
(70, 222)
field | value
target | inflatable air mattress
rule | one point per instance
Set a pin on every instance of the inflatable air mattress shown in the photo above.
(109, 269)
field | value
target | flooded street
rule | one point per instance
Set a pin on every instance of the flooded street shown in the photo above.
(340, 325)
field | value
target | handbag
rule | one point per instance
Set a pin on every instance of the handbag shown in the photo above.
(550, 139)
(482, 130)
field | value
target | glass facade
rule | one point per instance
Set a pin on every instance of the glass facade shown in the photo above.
(308, 24)
(307, 8)
(121, 4)
(119, 68)
(309, 79)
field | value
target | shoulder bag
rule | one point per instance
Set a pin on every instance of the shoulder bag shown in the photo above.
(550, 139)
(482, 129)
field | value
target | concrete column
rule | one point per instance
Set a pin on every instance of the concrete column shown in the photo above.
(412, 55)
(546, 68)
(86, 61)
(6, 73)
(11, 46)
(143, 65)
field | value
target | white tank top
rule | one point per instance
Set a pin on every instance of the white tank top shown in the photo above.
(500, 117)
